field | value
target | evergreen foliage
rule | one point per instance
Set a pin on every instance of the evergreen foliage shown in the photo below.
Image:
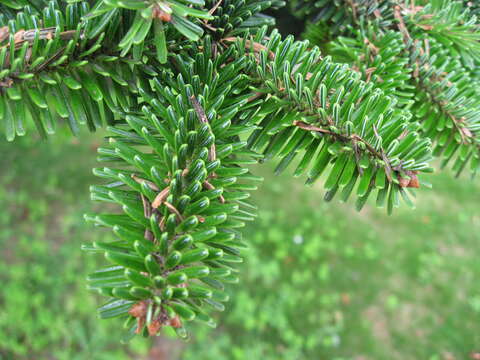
(425, 54)
(193, 91)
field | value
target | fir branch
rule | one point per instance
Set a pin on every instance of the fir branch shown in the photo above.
(300, 84)
(189, 228)
(181, 84)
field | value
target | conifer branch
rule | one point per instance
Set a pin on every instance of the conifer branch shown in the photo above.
(181, 84)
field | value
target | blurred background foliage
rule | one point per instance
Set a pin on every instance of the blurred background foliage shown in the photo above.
(321, 281)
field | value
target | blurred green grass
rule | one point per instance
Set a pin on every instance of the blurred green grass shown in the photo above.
(320, 281)
(45, 309)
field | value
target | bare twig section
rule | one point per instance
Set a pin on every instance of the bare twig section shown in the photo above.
(425, 27)
(29, 36)
(368, 146)
(462, 128)
(388, 168)
(475, 355)
(305, 126)
(22, 36)
(147, 207)
(139, 180)
(215, 7)
(375, 50)
(354, 139)
(416, 71)
(466, 132)
(356, 152)
(209, 186)
(148, 235)
(147, 212)
(255, 96)
(174, 210)
(198, 109)
(211, 12)
(252, 45)
(369, 72)
(403, 135)
(161, 197)
(202, 116)
(4, 33)
(209, 27)
(397, 13)
(427, 46)
(161, 225)
(212, 155)
(353, 6)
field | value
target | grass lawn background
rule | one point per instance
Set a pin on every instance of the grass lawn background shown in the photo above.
(321, 281)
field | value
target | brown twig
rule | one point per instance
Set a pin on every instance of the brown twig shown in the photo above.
(209, 186)
(198, 109)
(4, 33)
(215, 7)
(161, 225)
(463, 131)
(305, 126)
(354, 138)
(22, 36)
(255, 96)
(212, 154)
(353, 6)
(161, 197)
(209, 27)
(255, 46)
(371, 46)
(139, 180)
(369, 72)
(174, 210)
(148, 235)
(147, 207)
(147, 212)
(28, 36)
(397, 13)
(211, 12)
(356, 152)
